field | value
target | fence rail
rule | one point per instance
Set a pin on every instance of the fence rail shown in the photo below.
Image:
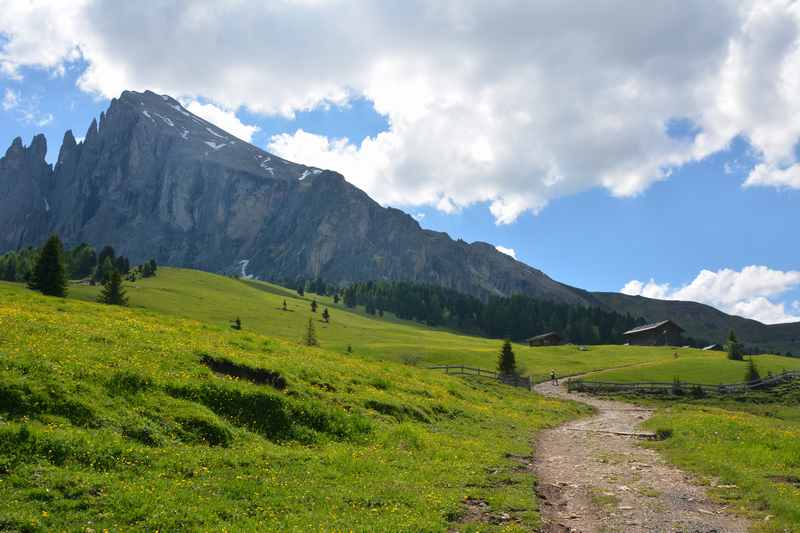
(680, 387)
(508, 379)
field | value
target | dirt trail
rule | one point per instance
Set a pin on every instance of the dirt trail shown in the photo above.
(593, 477)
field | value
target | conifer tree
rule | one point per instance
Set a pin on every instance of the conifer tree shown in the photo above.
(326, 316)
(507, 363)
(752, 373)
(734, 348)
(113, 292)
(310, 338)
(313, 306)
(284, 306)
(301, 289)
(48, 275)
(336, 298)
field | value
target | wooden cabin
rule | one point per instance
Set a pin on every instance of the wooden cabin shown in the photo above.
(545, 339)
(664, 333)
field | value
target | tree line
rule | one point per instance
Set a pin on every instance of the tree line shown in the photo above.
(517, 317)
(48, 269)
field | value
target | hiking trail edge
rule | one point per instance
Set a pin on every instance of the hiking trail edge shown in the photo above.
(594, 477)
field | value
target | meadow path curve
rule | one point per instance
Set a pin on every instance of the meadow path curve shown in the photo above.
(594, 477)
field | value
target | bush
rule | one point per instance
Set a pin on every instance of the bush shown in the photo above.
(663, 433)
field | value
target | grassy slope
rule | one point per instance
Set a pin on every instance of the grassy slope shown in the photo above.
(109, 419)
(752, 442)
(711, 369)
(217, 300)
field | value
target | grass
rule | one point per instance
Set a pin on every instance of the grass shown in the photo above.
(708, 368)
(114, 418)
(216, 300)
(750, 443)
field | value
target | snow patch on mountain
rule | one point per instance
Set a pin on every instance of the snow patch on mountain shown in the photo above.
(212, 132)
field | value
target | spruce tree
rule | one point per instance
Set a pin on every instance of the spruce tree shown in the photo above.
(49, 276)
(310, 338)
(113, 292)
(326, 316)
(734, 348)
(336, 298)
(507, 363)
(284, 306)
(752, 372)
(313, 306)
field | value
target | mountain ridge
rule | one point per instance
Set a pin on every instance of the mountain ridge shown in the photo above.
(155, 180)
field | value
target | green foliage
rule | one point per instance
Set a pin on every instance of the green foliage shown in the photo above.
(49, 276)
(81, 261)
(313, 306)
(517, 317)
(752, 371)
(310, 338)
(19, 265)
(734, 348)
(113, 292)
(326, 316)
(507, 362)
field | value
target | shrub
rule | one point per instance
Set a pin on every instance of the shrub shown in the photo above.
(663, 433)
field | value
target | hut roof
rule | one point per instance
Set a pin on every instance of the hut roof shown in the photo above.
(544, 336)
(649, 327)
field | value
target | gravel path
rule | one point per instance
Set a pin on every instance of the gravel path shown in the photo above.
(593, 477)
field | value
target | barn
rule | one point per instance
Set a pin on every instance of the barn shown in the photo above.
(545, 339)
(664, 333)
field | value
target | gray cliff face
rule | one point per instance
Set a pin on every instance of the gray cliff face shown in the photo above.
(154, 180)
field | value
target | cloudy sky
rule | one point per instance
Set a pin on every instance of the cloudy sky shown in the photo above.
(649, 147)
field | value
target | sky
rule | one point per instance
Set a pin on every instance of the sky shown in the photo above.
(643, 147)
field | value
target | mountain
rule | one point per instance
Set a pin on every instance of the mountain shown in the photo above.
(154, 180)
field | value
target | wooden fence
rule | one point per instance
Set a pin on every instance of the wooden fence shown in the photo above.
(461, 370)
(679, 387)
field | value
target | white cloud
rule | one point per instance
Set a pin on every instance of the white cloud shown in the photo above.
(507, 251)
(745, 293)
(10, 100)
(419, 217)
(26, 109)
(514, 104)
(226, 120)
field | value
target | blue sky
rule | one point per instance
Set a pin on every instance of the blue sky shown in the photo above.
(600, 183)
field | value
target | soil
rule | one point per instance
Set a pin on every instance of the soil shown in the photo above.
(593, 476)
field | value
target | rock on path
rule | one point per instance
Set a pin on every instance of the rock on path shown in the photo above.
(592, 477)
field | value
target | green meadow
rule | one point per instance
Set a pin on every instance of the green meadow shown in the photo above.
(709, 368)
(159, 416)
(115, 418)
(216, 300)
(748, 448)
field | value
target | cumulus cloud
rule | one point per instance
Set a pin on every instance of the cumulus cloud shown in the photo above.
(513, 104)
(227, 120)
(748, 293)
(507, 251)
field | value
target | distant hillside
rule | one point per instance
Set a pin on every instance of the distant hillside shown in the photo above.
(703, 321)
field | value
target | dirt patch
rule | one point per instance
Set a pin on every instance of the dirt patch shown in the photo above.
(478, 511)
(259, 376)
(593, 476)
(787, 480)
